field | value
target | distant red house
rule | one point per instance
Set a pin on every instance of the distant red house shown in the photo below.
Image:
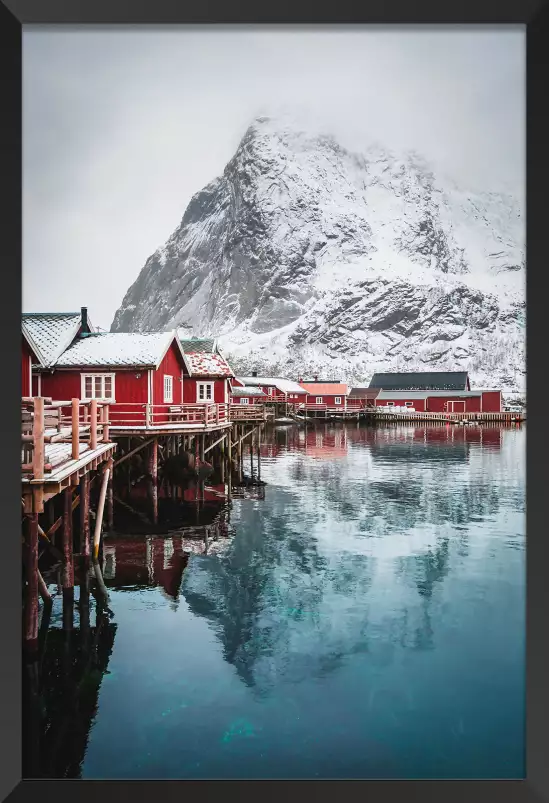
(434, 392)
(242, 394)
(276, 389)
(331, 394)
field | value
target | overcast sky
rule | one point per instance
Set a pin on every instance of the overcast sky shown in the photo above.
(122, 127)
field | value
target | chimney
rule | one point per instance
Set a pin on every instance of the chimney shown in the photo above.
(300, 380)
(84, 319)
(254, 373)
(316, 378)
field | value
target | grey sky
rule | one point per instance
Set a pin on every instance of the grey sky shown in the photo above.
(122, 127)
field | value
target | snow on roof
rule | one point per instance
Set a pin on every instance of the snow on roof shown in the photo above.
(325, 388)
(204, 363)
(249, 391)
(50, 333)
(117, 350)
(284, 385)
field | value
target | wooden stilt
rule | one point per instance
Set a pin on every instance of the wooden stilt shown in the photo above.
(31, 597)
(202, 447)
(99, 517)
(67, 575)
(43, 589)
(259, 453)
(110, 503)
(85, 516)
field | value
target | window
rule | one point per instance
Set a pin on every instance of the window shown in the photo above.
(319, 399)
(408, 404)
(204, 391)
(244, 400)
(98, 386)
(338, 399)
(390, 404)
(270, 391)
(168, 389)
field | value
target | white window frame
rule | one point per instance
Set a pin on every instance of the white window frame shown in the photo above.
(408, 404)
(102, 397)
(205, 385)
(269, 391)
(337, 400)
(319, 400)
(389, 404)
(168, 396)
(244, 400)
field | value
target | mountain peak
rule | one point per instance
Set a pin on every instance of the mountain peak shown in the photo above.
(305, 253)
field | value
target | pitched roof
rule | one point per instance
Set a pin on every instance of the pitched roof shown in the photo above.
(403, 395)
(204, 363)
(249, 391)
(283, 385)
(195, 345)
(325, 388)
(50, 333)
(363, 393)
(117, 350)
(430, 380)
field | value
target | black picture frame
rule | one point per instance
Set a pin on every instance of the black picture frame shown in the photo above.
(533, 14)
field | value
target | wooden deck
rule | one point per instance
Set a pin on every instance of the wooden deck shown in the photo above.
(382, 414)
(61, 442)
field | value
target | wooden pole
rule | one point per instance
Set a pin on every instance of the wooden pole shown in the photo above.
(93, 424)
(38, 439)
(43, 589)
(105, 421)
(100, 508)
(85, 516)
(75, 434)
(68, 567)
(110, 503)
(31, 597)
(202, 447)
(259, 453)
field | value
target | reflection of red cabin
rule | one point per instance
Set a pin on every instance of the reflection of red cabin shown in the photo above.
(153, 561)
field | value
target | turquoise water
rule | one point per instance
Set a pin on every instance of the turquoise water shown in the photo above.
(366, 619)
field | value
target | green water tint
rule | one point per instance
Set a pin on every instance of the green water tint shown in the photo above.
(238, 729)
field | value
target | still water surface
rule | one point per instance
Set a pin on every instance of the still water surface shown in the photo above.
(364, 619)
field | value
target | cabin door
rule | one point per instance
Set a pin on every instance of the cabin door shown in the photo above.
(456, 407)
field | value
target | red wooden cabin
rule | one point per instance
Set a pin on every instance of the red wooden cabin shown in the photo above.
(246, 394)
(46, 335)
(434, 392)
(276, 389)
(140, 375)
(208, 375)
(325, 393)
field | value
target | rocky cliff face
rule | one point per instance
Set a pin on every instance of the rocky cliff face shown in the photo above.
(306, 257)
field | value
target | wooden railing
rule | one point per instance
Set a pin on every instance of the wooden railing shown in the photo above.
(248, 412)
(44, 421)
(151, 416)
(442, 416)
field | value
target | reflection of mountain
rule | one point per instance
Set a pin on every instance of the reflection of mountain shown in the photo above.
(351, 556)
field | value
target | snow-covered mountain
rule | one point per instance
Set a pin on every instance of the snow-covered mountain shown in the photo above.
(308, 258)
